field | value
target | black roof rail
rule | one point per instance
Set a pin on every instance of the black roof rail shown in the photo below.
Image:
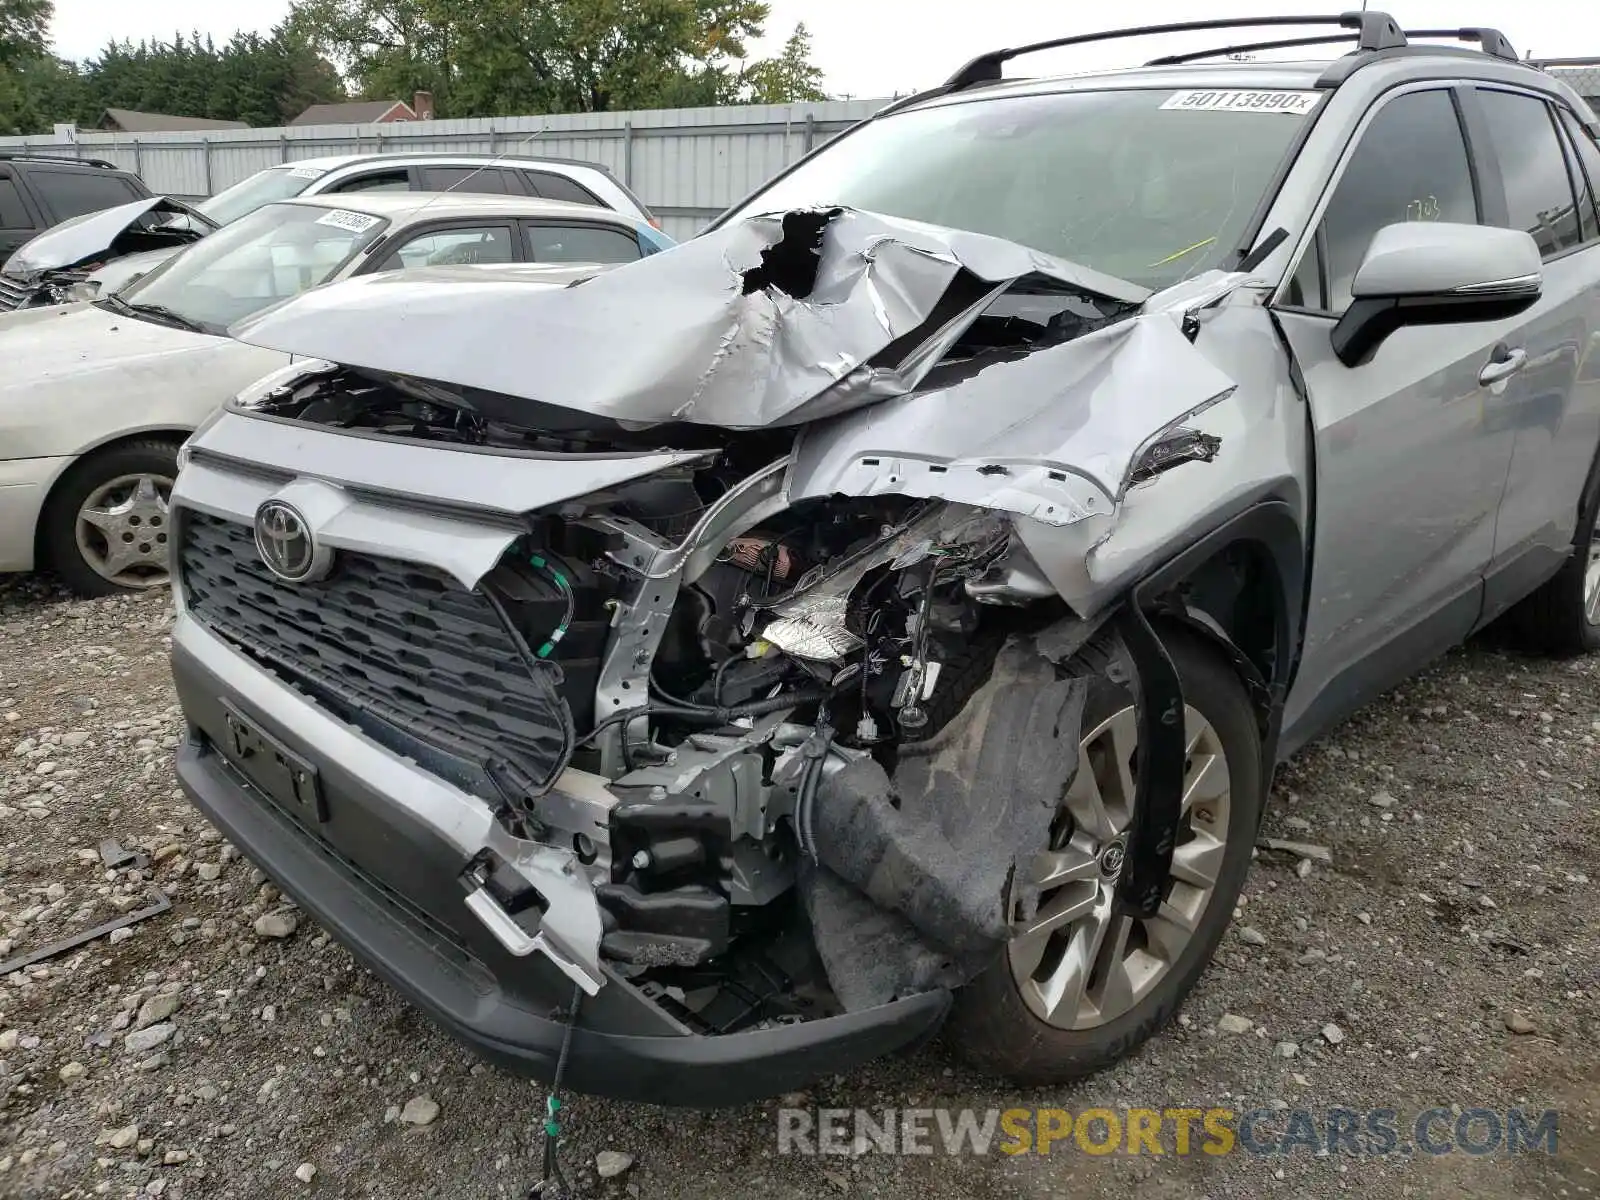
(1377, 31)
(1492, 42)
(1174, 60)
(27, 155)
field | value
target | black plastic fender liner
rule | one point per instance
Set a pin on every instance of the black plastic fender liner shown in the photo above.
(1158, 766)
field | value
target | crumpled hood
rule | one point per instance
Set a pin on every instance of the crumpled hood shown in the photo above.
(82, 239)
(744, 327)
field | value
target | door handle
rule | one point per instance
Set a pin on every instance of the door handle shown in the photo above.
(1503, 364)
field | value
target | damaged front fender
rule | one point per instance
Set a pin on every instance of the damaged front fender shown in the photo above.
(1054, 435)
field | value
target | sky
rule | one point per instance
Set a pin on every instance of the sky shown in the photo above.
(884, 47)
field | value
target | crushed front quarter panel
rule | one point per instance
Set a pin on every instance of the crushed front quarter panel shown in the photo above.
(1052, 435)
(740, 328)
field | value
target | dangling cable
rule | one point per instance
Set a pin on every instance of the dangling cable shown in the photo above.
(554, 1185)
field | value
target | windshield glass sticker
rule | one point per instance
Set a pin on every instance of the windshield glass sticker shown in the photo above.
(305, 173)
(345, 219)
(1294, 103)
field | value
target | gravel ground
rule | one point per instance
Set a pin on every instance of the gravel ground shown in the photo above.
(1450, 955)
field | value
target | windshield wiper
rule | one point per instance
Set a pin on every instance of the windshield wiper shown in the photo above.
(159, 311)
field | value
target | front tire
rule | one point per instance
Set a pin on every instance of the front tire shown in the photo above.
(106, 528)
(1079, 988)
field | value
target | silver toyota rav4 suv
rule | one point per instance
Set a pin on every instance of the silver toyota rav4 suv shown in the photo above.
(885, 612)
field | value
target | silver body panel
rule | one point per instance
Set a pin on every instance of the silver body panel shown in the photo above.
(1414, 483)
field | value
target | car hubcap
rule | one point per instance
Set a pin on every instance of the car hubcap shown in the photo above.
(1075, 961)
(122, 530)
(1591, 579)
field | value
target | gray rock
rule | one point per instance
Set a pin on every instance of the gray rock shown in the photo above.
(1251, 936)
(1519, 1024)
(1332, 1034)
(157, 1008)
(609, 1164)
(419, 1110)
(1286, 1049)
(142, 1041)
(1231, 1023)
(305, 1172)
(280, 924)
(120, 1139)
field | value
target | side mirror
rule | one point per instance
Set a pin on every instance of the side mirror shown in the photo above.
(1436, 273)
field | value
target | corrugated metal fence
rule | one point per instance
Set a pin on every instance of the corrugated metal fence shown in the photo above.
(688, 164)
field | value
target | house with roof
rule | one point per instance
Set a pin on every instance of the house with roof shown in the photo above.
(368, 112)
(126, 120)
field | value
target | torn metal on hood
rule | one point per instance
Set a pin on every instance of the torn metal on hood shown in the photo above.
(744, 327)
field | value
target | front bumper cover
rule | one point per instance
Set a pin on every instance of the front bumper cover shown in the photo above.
(386, 885)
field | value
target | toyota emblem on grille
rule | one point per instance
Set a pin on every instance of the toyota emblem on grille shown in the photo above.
(287, 546)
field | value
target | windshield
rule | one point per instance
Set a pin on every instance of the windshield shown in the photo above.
(272, 254)
(1149, 186)
(262, 188)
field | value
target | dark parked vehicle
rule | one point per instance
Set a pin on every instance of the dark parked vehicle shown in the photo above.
(38, 191)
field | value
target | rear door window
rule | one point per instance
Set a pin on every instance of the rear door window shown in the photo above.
(1539, 193)
(487, 180)
(1588, 166)
(73, 193)
(552, 243)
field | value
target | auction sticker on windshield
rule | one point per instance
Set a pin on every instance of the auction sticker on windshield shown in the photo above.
(345, 219)
(1292, 102)
(306, 173)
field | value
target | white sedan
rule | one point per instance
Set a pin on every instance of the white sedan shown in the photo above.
(96, 397)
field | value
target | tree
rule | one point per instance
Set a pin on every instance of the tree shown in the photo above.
(24, 31)
(259, 80)
(790, 77)
(503, 57)
(24, 45)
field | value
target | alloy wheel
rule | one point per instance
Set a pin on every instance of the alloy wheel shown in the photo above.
(1076, 962)
(122, 530)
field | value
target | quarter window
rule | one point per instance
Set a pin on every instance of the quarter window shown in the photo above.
(558, 187)
(468, 179)
(1539, 196)
(1410, 165)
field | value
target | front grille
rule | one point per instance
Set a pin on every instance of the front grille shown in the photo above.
(13, 292)
(397, 649)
